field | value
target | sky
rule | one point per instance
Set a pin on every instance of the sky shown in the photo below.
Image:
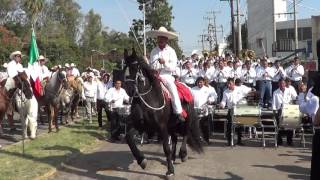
(188, 22)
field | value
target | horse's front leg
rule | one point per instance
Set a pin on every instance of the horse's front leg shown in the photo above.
(167, 151)
(183, 154)
(134, 149)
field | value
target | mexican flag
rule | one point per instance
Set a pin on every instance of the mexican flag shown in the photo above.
(33, 57)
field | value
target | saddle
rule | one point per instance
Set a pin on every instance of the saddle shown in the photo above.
(183, 91)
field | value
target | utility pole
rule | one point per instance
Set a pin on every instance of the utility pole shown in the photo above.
(144, 30)
(232, 26)
(239, 28)
(296, 45)
(210, 31)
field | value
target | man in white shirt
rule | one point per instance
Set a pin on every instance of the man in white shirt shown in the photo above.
(248, 75)
(90, 95)
(102, 89)
(265, 75)
(207, 71)
(14, 67)
(231, 97)
(75, 71)
(163, 58)
(44, 73)
(202, 97)
(279, 73)
(189, 75)
(281, 97)
(295, 72)
(221, 74)
(116, 96)
(309, 104)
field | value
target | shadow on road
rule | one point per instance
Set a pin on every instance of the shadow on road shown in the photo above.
(294, 172)
(230, 174)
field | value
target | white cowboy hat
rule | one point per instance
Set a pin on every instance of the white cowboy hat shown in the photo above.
(42, 58)
(162, 31)
(13, 54)
(66, 65)
(72, 65)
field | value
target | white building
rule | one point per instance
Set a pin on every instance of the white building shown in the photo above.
(261, 17)
(260, 23)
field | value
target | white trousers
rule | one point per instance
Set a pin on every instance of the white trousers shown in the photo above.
(168, 81)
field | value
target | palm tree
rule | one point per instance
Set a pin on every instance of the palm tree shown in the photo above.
(33, 7)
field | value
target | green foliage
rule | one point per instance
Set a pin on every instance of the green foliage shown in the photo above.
(158, 13)
(63, 33)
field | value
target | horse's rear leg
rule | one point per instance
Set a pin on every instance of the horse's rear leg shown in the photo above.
(167, 151)
(50, 117)
(174, 140)
(183, 149)
(135, 151)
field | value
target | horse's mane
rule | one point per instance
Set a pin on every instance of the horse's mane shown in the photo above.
(149, 72)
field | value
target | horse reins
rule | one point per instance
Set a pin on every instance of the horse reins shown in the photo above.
(138, 94)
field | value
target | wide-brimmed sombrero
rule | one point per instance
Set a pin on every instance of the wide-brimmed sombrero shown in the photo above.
(162, 31)
(13, 54)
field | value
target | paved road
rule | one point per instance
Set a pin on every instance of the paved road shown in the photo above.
(114, 161)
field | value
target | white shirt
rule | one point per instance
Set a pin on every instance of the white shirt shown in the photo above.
(202, 96)
(243, 90)
(236, 73)
(278, 73)
(102, 89)
(189, 76)
(90, 89)
(231, 98)
(295, 73)
(75, 72)
(13, 68)
(261, 71)
(310, 104)
(248, 76)
(169, 56)
(207, 73)
(293, 91)
(280, 98)
(44, 72)
(221, 75)
(118, 96)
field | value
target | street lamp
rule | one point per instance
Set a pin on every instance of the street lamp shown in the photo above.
(103, 54)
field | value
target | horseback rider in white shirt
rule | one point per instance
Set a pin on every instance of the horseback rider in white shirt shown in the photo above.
(164, 59)
(14, 67)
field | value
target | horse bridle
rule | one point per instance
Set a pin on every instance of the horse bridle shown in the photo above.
(137, 94)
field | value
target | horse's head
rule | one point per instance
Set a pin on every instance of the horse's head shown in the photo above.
(22, 83)
(61, 77)
(139, 73)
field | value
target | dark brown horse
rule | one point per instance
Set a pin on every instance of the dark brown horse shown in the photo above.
(151, 112)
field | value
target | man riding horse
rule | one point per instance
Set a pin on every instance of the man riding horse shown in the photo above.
(163, 58)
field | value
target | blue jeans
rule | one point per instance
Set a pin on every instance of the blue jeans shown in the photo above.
(265, 88)
(220, 87)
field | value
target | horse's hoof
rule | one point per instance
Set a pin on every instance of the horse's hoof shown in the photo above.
(169, 176)
(143, 164)
(50, 131)
(184, 159)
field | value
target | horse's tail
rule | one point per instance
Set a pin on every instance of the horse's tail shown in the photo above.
(193, 130)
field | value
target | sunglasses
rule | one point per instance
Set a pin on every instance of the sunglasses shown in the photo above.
(18, 56)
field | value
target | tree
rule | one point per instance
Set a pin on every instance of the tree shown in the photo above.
(33, 8)
(158, 13)
(91, 36)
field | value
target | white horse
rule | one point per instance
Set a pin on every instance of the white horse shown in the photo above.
(28, 110)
